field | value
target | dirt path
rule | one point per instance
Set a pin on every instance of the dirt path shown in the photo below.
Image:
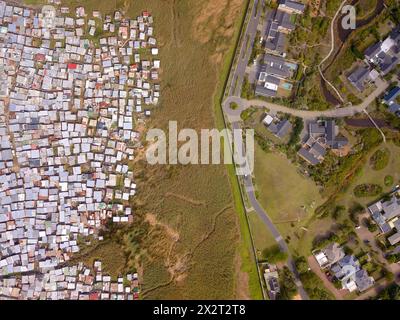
(339, 294)
(152, 220)
(183, 198)
(331, 51)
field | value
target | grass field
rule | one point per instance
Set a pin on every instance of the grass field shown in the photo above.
(262, 237)
(189, 238)
(289, 199)
(369, 175)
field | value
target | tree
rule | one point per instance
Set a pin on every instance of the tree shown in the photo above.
(390, 293)
(338, 212)
(274, 254)
(301, 265)
(287, 284)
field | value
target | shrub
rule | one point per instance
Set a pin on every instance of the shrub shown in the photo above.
(274, 254)
(233, 106)
(367, 190)
(301, 264)
(295, 135)
(390, 293)
(372, 227)
(338, 212)
(355, 209)
(380, 159)
(287, 284)
(389, 181)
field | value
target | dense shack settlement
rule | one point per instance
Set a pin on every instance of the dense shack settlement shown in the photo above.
(73, 87)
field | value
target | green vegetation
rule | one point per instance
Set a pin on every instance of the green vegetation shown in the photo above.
(336, 174)
(355, 209)
(287, 284)
(263, 239)
(246, 114)
(274, 254)
(247, 89)
(389, 180)
(35, 2)
(257, 48)
(393, 258)
(308, 44)
(392, 292)
(292, 200)
(342, 233)
(372, 227)
(233, 106)
(366, 175)
(380, 159)
(364, 8)
(311, 282)
(295, 135)
(367, 190)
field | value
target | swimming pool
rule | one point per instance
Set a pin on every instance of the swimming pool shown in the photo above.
(287, 86)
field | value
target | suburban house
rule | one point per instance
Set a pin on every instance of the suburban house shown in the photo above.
(322, 135)
(329, 255)
(391, 99)
(291, 7)
(274, 40)
(280, 128)
(386, 213)
(362, 76)
(385, 54)
(267, 86)
(279, 23)
(345, 268)
(273, 70)
(285, 23)
(349, 272)
(271, 278)
(275, 66)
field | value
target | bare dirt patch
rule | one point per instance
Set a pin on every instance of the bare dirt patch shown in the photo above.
(152, 220)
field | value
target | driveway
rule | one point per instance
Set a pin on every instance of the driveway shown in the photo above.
(339, 294)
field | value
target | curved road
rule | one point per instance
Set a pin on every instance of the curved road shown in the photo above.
(233, 116)
(278, 238)
(243, 104)
(234, 89)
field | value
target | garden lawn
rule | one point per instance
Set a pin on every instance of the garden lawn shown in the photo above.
(289, 198)
(371, 176)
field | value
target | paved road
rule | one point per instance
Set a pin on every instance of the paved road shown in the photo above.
(250, 191)
(243, 104)
(278, 238)
(234, 92)
(245, 51)
(233, 116)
